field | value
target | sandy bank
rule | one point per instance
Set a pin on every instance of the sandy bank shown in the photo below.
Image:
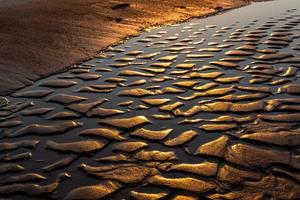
(41, 37)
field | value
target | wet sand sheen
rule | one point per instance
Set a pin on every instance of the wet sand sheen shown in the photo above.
(54, 35)
(205, 109)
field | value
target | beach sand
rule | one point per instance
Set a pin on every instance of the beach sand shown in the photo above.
(42, 37)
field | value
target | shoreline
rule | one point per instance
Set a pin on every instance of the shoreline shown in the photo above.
(16, 80)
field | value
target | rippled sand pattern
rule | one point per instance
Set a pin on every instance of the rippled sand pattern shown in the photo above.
(207, 109)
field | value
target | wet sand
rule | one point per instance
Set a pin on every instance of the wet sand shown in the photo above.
(205, 109)
(39, 38)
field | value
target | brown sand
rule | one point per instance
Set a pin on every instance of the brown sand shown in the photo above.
(41, 37)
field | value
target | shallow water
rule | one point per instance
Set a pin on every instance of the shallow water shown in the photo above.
(267, 35)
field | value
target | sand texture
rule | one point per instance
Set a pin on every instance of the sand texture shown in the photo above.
(42, 37)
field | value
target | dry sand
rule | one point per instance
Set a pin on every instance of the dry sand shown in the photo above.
(41, 37)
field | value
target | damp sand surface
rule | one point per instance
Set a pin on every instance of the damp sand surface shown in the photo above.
(205, 109)
(39, 38)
